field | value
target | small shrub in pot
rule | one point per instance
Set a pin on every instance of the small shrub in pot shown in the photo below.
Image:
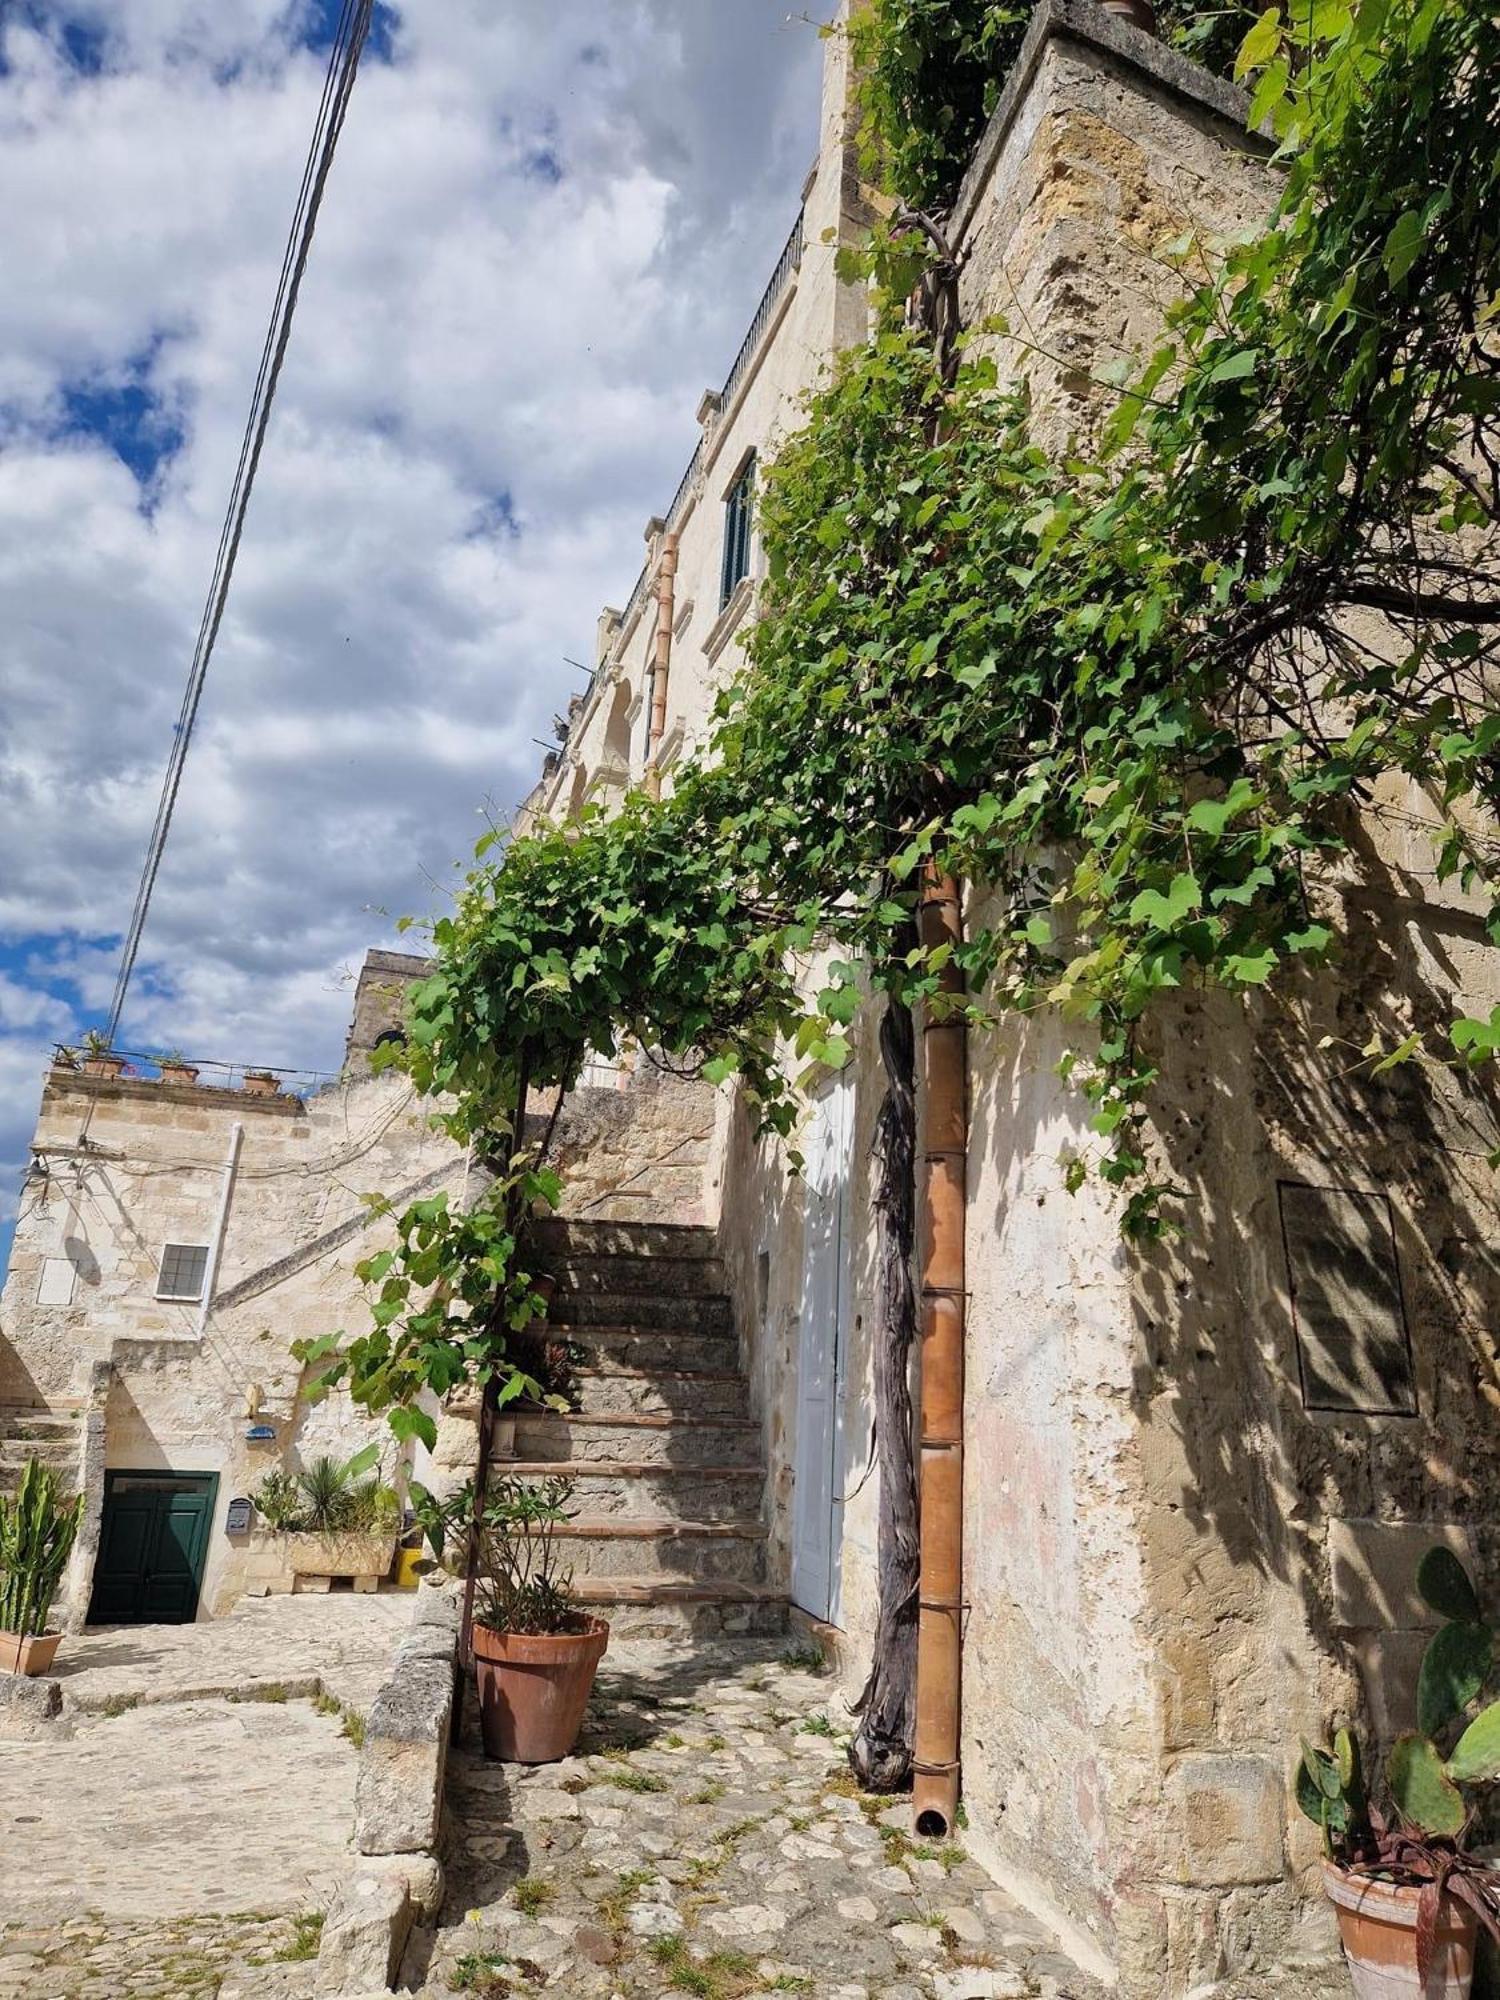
(535, 1651)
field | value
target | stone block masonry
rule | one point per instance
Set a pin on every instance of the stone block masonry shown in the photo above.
(398, 1807)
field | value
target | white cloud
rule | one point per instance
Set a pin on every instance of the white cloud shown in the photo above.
(545, 232)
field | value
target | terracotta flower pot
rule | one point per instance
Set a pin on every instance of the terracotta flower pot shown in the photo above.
(261, 1086)
(31, 1655)
(1378, 1927)
(534, 1688)
(178, 1073)
(107, 1066)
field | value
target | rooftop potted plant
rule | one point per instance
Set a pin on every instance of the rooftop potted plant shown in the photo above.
(175, 1068)
(535, 1652)
(337, 1522)
(37, 1530)
(1409, 1891)
(99, 1059)
(261, 1083)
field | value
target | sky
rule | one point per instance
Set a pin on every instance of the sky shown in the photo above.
(547, 227)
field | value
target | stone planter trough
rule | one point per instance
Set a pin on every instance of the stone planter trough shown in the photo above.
(315, 1560)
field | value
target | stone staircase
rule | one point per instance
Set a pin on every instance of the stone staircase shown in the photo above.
(668, 1537)
(52, 1435)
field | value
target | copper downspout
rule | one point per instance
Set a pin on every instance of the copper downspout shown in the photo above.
(661, 659)
(943, 1146)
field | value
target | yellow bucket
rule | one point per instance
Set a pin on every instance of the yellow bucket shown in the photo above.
(407, 1573)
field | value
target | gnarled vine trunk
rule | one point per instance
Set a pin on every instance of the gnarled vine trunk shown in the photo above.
(881, 1751)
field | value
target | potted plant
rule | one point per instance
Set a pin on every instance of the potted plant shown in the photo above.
(261, 1083)
(1409, 1891)
(99, 1059)
(175, 1068)
(535, 1653)
(37, 1529)
(337, 1522)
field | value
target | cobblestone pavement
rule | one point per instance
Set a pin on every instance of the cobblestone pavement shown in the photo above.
(707, 1839)
(148, 1840)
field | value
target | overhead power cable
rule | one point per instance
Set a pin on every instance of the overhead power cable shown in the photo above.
(338, 84)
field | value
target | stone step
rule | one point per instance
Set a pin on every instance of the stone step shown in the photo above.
(689, 1277)
(644, 1349)
(570, 1236)
(673, 1312)
(672, 1607)
(707, 1551)
(61, 1452)
(641, 1438)
(612, 1490)
(40, 1424)
(683, 1393)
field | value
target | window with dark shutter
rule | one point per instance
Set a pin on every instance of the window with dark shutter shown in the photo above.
(739, 507)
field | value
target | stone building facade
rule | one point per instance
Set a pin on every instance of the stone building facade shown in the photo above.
(174, 1238)
(1199, 1476)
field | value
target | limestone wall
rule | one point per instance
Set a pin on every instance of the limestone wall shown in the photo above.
(134, 1164)
(1174, 1565)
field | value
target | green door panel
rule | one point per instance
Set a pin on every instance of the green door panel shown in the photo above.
(153, 1546)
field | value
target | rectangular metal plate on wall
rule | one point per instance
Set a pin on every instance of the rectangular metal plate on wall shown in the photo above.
(1353, 1344)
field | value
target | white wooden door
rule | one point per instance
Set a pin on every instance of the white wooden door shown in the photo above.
(818, 1495)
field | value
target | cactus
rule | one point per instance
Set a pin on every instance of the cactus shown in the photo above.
(1331, 1792)
(1443, 1582)
(1455, 1667)
(1421, 1790)
(37, 1528)
(1476, 1756)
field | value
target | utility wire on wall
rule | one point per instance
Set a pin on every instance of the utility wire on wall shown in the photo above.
(338, 84)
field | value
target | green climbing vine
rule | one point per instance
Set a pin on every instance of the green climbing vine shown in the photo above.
(1142, 690)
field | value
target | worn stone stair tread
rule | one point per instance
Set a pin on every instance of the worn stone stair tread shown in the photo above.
(581, 1332)
(601, 1234)
(609, 1468)
(657, 1528)
(622, 1371)
(584, 1271)
(640, 1420)
(673, 1590)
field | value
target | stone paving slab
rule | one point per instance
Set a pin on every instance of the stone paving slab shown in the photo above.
(148, 1842)
(708, 1839)
(343, 1641)
(164, 1812)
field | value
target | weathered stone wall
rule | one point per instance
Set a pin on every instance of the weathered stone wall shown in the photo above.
(135, 1163)
(1173, 1567)
(637, 1148)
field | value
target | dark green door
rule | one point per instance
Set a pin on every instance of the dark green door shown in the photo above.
(152, 1547)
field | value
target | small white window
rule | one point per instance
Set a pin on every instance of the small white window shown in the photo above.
(184, 1266)
(55, 1286)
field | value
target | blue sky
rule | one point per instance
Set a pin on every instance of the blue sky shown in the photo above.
(545, 232)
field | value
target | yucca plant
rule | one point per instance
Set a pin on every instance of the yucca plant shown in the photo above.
(338, 1499)
(37, 1529)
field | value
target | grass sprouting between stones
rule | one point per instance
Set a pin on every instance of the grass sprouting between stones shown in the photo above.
(307, 1935)
(532, 1894)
